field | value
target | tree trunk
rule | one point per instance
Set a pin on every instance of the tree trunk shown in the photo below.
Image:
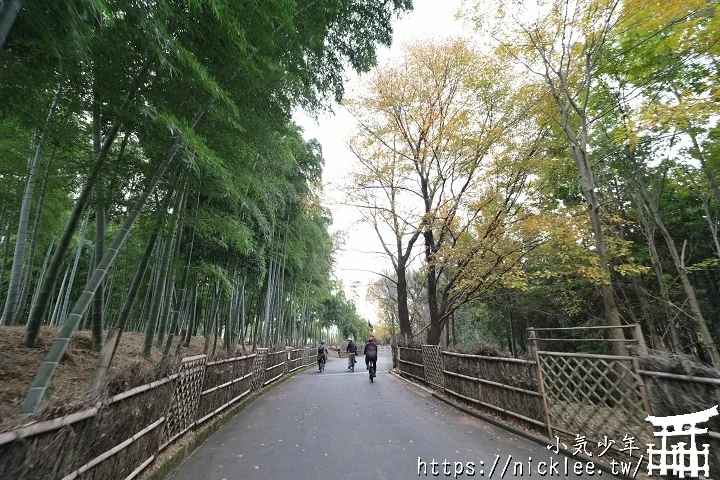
(158, 291)
(651, 207)
(99, 299)
(33, 243)
(100, 227)
(140, 325)
(242, 315)
(436, 326)
(42, 273)
(402, 294)
(13, 295)
(8, 13)
(647, 315)
(268, 303)
(210, 322)
(78, 253)
(6, 251)
(56, 312)
(192, 322)
(167, 273)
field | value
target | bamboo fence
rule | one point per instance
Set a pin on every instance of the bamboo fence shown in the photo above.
(510, 389)
(119, 437)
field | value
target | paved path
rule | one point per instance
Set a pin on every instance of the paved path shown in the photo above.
(337, 425)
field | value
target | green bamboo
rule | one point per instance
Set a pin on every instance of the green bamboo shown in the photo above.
(14, 287)
(33, 242)
(37, 314)
(66, 299)
(42, 273)
(170, 281)
(183, 283)
(45, 373)
(162, 300)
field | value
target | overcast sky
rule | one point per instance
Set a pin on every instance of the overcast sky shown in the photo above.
(354, 264)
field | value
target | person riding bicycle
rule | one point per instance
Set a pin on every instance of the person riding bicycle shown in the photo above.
(351, 348)
(370, 352)
(322, 351)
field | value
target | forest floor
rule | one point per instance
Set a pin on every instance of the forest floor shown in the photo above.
(70, 383)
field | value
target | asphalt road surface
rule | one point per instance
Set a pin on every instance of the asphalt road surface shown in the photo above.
(338, 425)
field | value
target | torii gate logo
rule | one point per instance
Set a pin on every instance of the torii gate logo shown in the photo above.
(681, 460)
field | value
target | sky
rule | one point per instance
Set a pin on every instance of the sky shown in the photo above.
(356, 262)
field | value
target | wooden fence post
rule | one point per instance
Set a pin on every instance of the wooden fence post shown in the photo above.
(532, 343)
(640, 344)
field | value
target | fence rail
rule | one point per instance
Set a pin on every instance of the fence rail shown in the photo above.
(120, 437)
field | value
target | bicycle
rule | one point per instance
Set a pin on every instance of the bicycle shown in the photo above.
(351, 361)
(321, 360)
(372, 370)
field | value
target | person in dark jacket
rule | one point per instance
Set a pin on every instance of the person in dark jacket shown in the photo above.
(351, 348)
(370, 352)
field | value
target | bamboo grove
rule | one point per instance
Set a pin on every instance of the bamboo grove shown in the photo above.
(555, 167)
(151, 177)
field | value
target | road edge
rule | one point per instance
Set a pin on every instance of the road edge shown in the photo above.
(173, 463)
(517, 431)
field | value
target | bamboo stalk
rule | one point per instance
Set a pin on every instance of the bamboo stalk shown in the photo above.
(583, 328)
(483, 357)
(496, 384)
(413, 363)
(47, 426)
(142, 388)
(586, 355)
(499, 409)
(273, 379)
(682, 378)
(140, 468)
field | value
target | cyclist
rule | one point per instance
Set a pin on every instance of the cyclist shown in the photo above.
(370, 353)
(322, 351)
(351, 348)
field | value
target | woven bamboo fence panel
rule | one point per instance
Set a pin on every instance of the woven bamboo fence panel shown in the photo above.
(258, 377)
(595, 396)
(411, 363)
(275, 366)
(432, 364)
(506, 387)
(183, 409)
